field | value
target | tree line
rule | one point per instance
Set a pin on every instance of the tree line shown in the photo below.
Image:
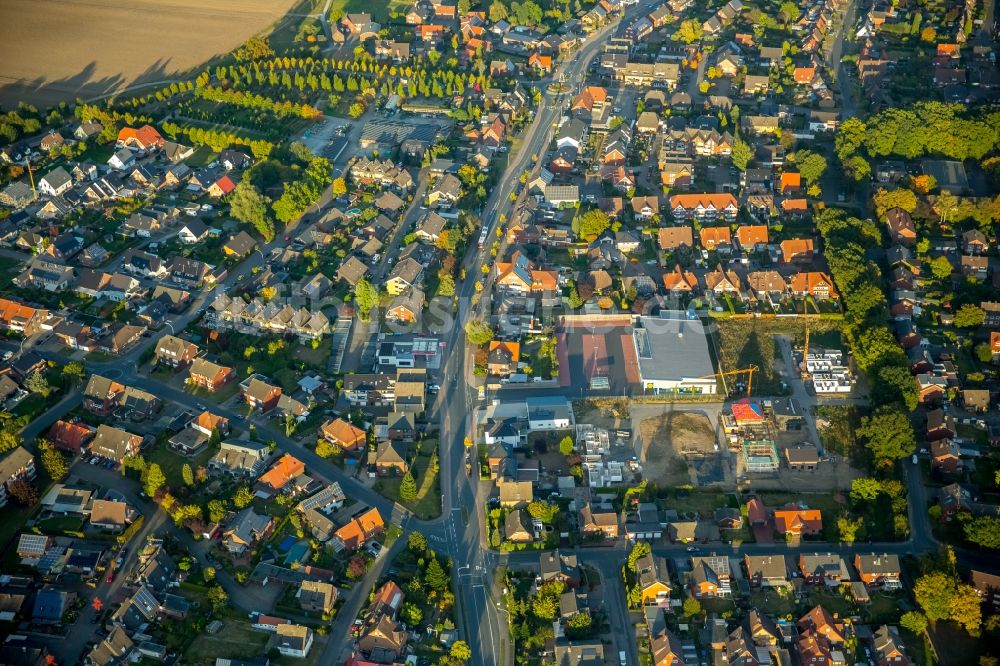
(926, 128)
(219, 139)
(257, 101)
(887, 432)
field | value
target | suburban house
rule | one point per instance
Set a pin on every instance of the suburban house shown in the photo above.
(208, 375)
(114, 444)
(246, 531)
(175, 352)
(259, 394)
(766, 570)
(710, 576)
(240, 459)
(345, 435)
(823, 569)
(653, 579)
(879, 570)
(359, 530)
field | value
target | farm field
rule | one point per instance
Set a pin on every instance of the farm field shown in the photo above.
(58, 50)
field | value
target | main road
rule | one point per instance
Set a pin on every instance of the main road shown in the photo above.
(473, 565)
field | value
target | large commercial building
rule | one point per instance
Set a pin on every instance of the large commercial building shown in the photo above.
(672, 351)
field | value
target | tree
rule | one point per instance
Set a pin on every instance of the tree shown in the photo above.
(898, 198)
(966, 609)
(543, 511)
(408, 487)
(566, 445)
(692, 607)
(36, 383)
(741, 154)
(593, 223)
(865, 489)
(218, 597)
(970, 316)
(984, 353)
(689, 31)
(208, 574)
(357, 566)
(53, 462)
(411, 614)
(858, 168)
(460, 650)
(247, 204)
(983, 531)
(789, 11)
(888, 434)
(187, 474)
(941, 268)
(155, 479)
(446, 287)
(639, 551)
(23, 492)
(811, 165)
(848, 529)
(417, 543)
(338, 188)
(498, 11)
(934, 591)
(545, 607)
(478, 333)
(254, 48)
(216, 511)
(366, 297)
(74, 371)
(435, 577)
(325, 449)
(242, 497)
(914, 622)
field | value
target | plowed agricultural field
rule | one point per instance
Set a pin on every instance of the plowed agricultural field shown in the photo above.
(58, 50)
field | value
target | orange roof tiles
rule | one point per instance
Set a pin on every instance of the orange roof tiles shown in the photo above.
(210, 421)
(708, 200)
(806, 282)
(711, 237)
(798, 521)
(794, 248)
(513, 348)
(69, 435)
(344, 434)
(790, 180)
(680, 279)
(283, 472)
(11, 310)
(751, 235)
(145, 136)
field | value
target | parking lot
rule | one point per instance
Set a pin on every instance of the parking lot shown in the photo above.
(327, 138)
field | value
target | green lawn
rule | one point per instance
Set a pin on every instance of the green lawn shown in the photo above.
(60, 524)
(13, 519)
(977, 435)
(428, 502)
(773, 603)
(703, 504)
(237, 640)
(172, 463)
(833, 600)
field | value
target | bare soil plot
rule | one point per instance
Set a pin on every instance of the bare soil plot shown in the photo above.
(58, 50)
(667, 438)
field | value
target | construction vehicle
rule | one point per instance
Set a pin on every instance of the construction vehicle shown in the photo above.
(749, 370)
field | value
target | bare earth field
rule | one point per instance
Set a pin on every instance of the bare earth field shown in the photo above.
(58, 50)
(667, 438)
